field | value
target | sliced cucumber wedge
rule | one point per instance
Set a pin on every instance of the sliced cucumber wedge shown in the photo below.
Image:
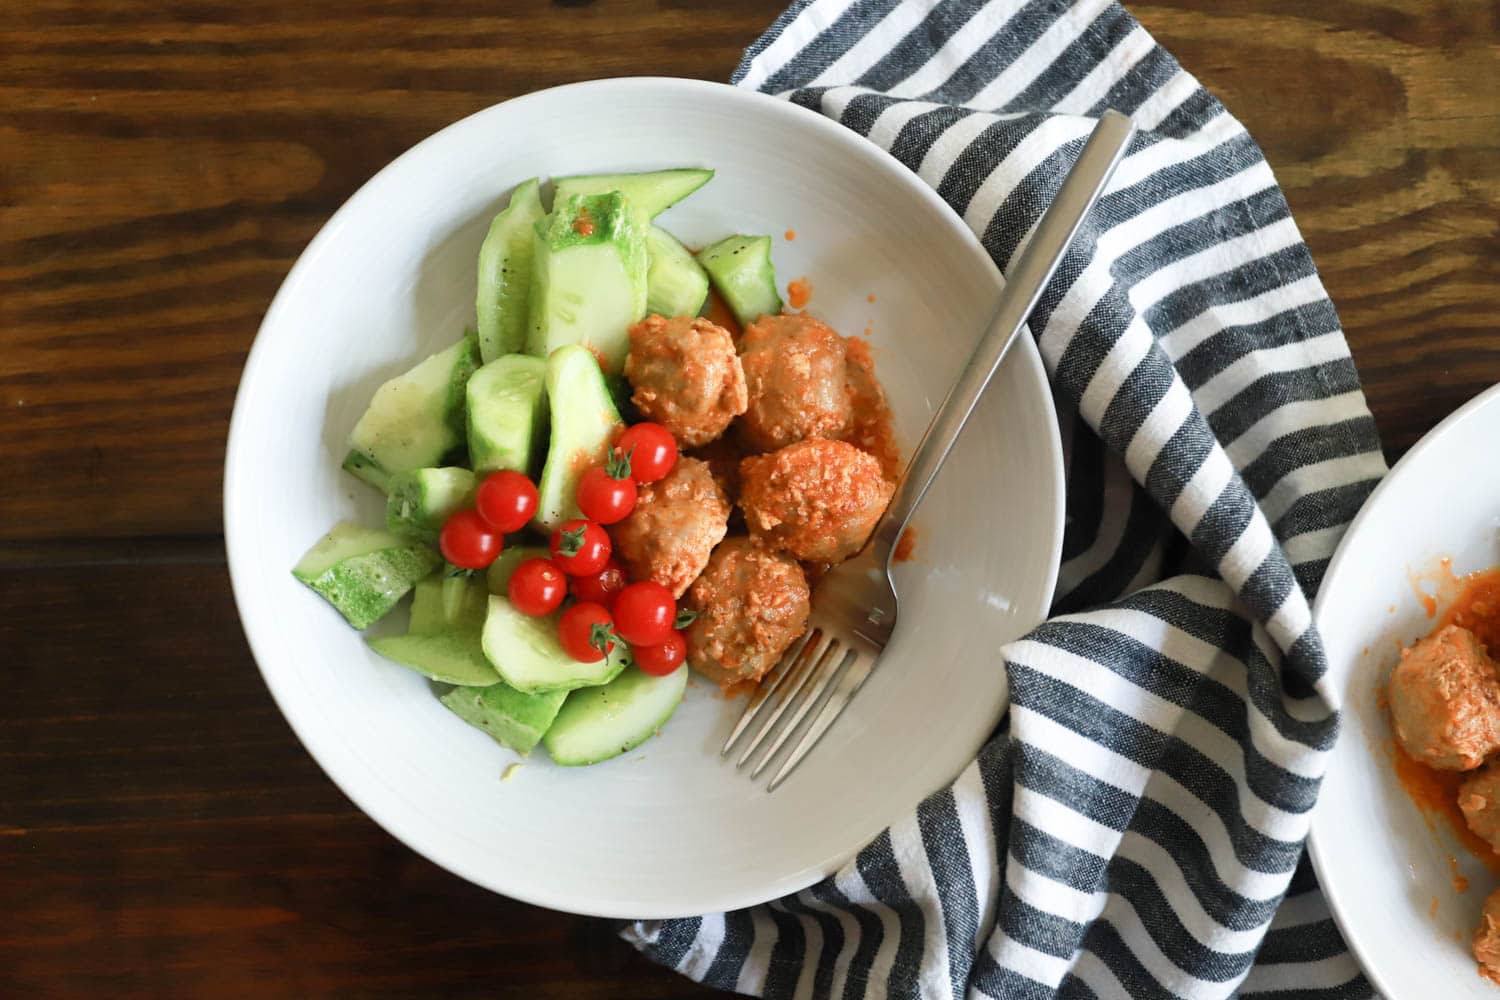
(441, 603)
(676, 284)
(652, 192)
(588, 278)
(453, 657)
(505, 273)
(526, 652)
(515, 720)
(363, 571)
(419, 502)
(598, 723)
(417, 418)
(741, 271)
(507, 414)
(498, 575)
(584, 421)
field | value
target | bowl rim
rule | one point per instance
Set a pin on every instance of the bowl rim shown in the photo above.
(1427, 443)
(254, 622)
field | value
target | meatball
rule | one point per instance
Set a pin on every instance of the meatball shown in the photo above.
(752, 604)
(798, 385)
(1487, 938)
(1445, 701)
(686, 377)
(816, 499)
(674, 527)
(1479, 799)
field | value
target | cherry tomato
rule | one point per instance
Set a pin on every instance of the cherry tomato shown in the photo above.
(652, 451)
(586, 632)
(537, 587)
(606, 493)
(664, 657)
(602, 587)
(580, 548)
(506, 499)
(644, 613)
(468, 541)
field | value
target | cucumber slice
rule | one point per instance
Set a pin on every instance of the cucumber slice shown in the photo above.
(676, 284)
(588, 278)
(363, 571)
(417, 418)
(441, 603)
(740, 269)
(453, 657)
(584, 421)
(505, 273)
(652, 192)
(514, 719)
(364, 468)
(420, 501)
(498, 575)
(529, 658)
(507, 416)
(598, 723)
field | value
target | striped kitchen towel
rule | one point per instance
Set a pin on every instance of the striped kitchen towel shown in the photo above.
(1136, 826)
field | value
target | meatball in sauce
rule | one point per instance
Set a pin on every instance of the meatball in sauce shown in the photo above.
(1445, 701)
(797, 380)
(686, 376)
(674, 527)
(752, 604)
(816, 499)
(1479, 801)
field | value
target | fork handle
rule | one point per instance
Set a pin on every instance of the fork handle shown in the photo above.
(1029, 274)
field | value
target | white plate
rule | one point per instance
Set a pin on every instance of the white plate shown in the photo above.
(669, 829)
(1379, 863)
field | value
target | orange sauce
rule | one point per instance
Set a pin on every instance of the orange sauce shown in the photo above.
(791, 234)
(583, 225)
(798, 292)
(1435, 793)
(718, 312)
(905, 544)
(870, 297)
(1475, 606)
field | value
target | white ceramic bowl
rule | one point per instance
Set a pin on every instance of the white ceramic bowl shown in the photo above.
(669, 829)
(1380, 864)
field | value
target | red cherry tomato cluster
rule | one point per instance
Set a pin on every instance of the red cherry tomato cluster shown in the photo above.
(606, 606)
(473, 538)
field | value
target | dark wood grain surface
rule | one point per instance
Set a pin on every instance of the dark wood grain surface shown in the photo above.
(162, 834)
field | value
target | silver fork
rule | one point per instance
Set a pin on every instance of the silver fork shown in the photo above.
(854, 604)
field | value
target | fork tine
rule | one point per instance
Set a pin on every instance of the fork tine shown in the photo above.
(764, 691)
(828, 669)
(813, 654)
(849, 685)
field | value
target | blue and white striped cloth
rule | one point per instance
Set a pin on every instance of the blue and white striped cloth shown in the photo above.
(1136, 826)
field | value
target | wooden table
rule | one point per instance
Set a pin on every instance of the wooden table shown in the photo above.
(161, 165)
